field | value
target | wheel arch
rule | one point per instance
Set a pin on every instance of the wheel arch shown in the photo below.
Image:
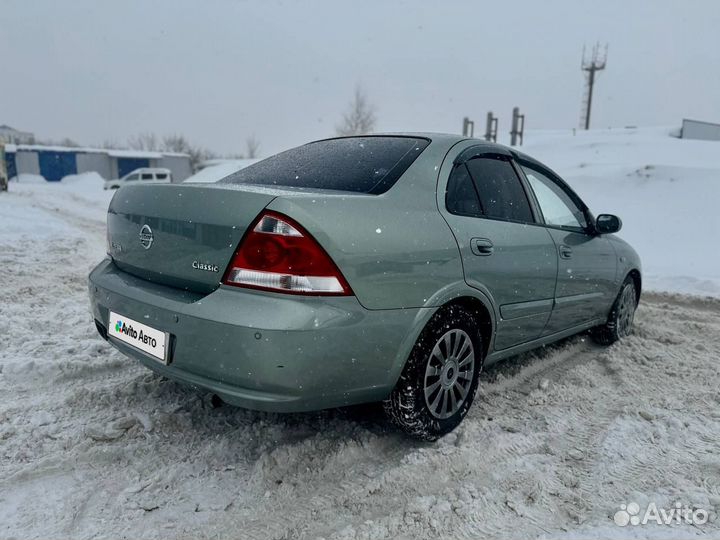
(483, 317)
(471, 299)
(634, 274)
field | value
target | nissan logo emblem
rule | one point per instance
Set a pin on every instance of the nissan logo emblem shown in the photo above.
(146, 236)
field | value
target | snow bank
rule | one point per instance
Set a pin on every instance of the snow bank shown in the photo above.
(84, 182)
(664, 189)
(75, 198)
(28, 179)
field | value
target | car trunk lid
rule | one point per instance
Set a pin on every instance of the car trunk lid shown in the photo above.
(181, 235)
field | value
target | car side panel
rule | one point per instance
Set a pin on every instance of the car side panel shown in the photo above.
(394, 249)
(586, 284)
(628, 259)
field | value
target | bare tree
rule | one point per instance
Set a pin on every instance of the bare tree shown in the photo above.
(170, 143)
(360, 117)
(144, 141)
(66, 141)
(178, 143)
(252, 145)
(111, 144)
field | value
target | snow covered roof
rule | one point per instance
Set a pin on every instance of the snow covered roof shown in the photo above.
(134, 154)
(241, 163)
(142, 154)
(217, 169)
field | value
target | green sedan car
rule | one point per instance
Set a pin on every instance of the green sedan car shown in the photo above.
(375, 268)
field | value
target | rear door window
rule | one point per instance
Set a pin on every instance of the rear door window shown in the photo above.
(358, 164)
(501, 193)
(461, 197)
(161, 176)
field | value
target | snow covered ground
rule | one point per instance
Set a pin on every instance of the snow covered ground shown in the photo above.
(93, 445)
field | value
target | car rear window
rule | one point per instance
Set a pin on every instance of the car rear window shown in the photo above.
(359, 164)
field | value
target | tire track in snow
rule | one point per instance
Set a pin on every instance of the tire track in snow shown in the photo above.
(92, 230)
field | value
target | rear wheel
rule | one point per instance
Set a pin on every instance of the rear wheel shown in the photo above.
(622, 315)
(439, 381)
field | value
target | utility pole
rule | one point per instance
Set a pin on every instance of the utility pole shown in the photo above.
(518, 127)
(468, 127)
(491, 127)
(596, 62)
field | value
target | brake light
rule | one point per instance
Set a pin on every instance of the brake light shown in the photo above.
(277, 254)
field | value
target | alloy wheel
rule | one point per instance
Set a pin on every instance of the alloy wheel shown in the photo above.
(449, 373)
(626, 311)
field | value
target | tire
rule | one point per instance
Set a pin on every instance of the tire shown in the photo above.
(622, 314)
(443, 377)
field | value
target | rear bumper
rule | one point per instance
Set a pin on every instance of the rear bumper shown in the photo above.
(260, 350)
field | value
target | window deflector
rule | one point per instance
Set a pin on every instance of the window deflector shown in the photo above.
(482, 150)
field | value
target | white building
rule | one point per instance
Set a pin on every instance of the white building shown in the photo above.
(13, 136)
(695, 129)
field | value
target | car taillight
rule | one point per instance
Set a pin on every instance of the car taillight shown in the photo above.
(277, 254)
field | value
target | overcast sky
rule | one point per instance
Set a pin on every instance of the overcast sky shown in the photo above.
(221, 70)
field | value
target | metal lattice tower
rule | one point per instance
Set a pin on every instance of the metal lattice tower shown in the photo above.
(590, 66)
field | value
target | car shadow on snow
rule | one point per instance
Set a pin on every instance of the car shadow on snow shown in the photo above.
(206, 414)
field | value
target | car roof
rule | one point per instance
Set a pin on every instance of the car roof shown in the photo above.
(453, 138)
(149, 169)
(449, 140)
(435, 137)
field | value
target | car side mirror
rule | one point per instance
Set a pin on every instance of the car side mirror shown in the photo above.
(607, 224)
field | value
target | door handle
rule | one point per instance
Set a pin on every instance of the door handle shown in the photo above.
(565, 251)
(481, 246)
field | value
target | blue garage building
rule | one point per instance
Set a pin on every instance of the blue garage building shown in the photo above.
(56, 165)
(56, 162)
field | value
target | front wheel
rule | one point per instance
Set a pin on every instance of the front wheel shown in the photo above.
(622, 315)
(439, 381)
